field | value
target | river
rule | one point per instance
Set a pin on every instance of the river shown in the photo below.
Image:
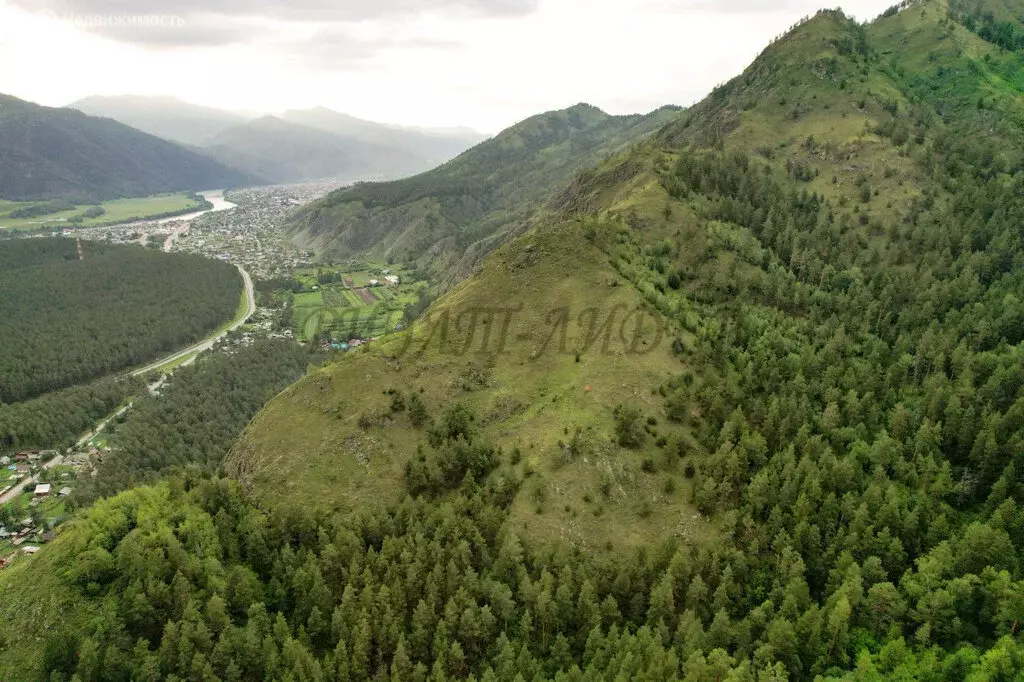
(214, 196)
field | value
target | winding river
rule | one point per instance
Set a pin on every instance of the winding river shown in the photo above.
(214, 196)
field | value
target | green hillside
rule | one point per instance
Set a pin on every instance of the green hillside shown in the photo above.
(449, 218)
(742, 402)
(831, 242)
(50, 153)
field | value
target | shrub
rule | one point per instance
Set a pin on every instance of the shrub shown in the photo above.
(456, 422)
(629, 432)
(417, 411)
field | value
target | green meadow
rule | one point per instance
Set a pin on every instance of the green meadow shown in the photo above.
(114, 211)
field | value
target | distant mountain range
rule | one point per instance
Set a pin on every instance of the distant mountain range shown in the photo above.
(279, 151)
(166, 117)
(432, 147)
(452, 216)
(49, 153)
(298, 145)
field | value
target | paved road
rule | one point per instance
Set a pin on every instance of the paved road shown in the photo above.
(207, 344)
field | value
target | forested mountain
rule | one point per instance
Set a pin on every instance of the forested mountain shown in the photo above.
(166, 117)
(56, 153)
(447, 219)
(828, 423)
(281, 151)
(431, 147)
(747, 403)
(64, 321)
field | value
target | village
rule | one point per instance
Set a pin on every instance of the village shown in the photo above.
(249, 234)
(35, 495)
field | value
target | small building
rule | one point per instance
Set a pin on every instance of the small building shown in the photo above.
(391, 280)
(65, 491)
(30, 549)
(5, 461)
(42, 490)
(22, 468)
(4, 533)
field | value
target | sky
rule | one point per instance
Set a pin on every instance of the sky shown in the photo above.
(483, 64)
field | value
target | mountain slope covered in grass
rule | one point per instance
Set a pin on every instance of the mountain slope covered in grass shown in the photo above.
(50, 153)
(449, 218)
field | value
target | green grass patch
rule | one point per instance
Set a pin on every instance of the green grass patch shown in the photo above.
(114, 211)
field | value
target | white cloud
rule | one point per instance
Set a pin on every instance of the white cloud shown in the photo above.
(425, 62)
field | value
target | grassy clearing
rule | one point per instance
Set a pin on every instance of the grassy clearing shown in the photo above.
(118, 210)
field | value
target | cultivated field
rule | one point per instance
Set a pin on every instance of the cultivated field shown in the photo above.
(339, 302)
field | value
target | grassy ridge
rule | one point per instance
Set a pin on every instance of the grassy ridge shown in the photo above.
(531, 396)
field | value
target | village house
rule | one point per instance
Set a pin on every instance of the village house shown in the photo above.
(42, 490)
(65, 491)
(391, 280)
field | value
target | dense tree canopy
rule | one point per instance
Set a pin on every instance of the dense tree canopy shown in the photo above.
(64, 321)
(58, 418)
(197, 415)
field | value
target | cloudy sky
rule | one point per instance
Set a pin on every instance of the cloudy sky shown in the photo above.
(479, 63)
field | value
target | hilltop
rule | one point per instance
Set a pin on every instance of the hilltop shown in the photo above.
(449, 218)
(56, 153)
